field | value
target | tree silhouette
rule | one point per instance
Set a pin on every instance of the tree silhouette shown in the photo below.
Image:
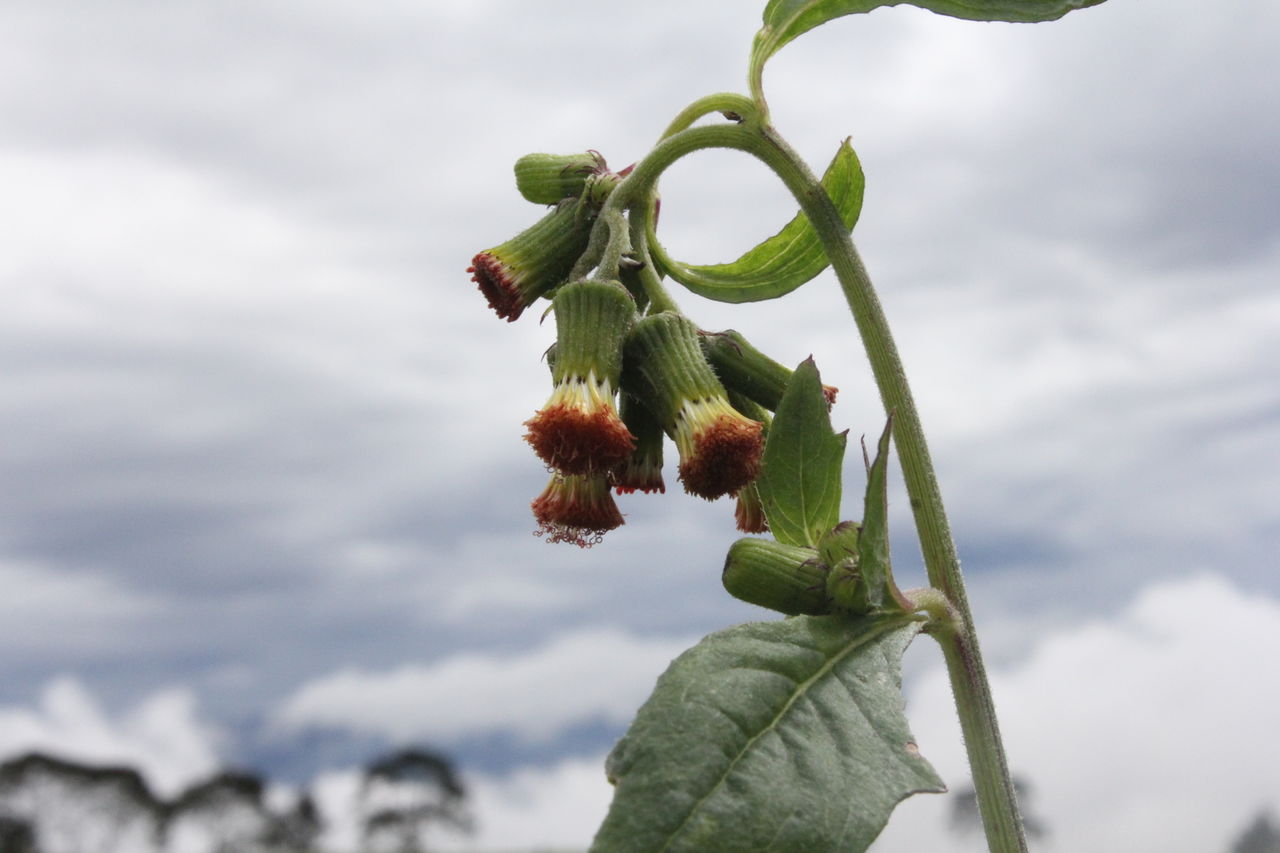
(225, 812)
(407, 791)
(76, 807)
(16, 836)
(296, 831)
(1260, 836)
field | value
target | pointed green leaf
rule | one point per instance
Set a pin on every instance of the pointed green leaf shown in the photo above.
(799, 481)
(786, 19)
(785, 736)
(869, 587)
(786, 260)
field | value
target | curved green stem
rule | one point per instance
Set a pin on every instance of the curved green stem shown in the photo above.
(730, 104)
(997, 799)
(659, 299)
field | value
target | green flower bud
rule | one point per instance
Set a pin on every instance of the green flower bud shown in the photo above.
(578, 430)
(664, 366)
(743, 368)
(548, 178)
(515, 274)
(839, 549)
(785, 578)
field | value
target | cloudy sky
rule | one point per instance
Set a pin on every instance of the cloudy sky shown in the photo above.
(265, 498)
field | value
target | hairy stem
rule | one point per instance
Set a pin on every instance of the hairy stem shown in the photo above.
(997, 800)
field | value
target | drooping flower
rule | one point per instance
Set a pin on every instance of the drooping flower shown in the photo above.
(578, 430)
(747, 370)
(641, 471)
(516, 273)
(578, 509)
(719, 447)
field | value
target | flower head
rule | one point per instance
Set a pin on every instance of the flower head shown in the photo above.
(578, 430)
(515, 274)
(578, 509)
(641, 471)
(719, 447)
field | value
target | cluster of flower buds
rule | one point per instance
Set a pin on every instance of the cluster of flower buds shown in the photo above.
(795, 580)
(623, 381)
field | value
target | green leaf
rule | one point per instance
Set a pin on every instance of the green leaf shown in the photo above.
(781, 736)
(799, 480)
(786, 260)
(786, 19)
(865, 584)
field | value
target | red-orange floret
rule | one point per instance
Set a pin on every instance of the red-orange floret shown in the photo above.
(725, 457)
(497, 285)
(749, 513)
(576, 509)
(639, 474)
(578, 431)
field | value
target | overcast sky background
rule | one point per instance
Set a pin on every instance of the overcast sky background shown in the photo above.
(265, 498)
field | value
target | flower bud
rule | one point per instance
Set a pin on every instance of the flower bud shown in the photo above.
(641, 471)
(786, 578)
(747, 370)
(578, 430)
(548, 178)
(578, 509)
(515, 274)
(719, 447)
(839, 549)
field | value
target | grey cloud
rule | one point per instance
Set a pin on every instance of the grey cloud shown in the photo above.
(298, 433)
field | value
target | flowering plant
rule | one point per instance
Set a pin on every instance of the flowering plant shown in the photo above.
(785, 735)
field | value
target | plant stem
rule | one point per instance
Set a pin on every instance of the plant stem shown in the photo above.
(997, 800)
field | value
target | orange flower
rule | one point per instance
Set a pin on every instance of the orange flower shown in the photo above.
(664, 366)
(578, 430)
(515, 274)
(578, 509)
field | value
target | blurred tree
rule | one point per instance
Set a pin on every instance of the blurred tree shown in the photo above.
(223, 814)
(406, 792)
(296, 830)
(16, 836)
(72, 808)
(1260, 836)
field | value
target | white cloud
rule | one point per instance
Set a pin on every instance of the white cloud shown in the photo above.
(161, 736)
(579, 677)
(557, 807)
(1154, 730)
